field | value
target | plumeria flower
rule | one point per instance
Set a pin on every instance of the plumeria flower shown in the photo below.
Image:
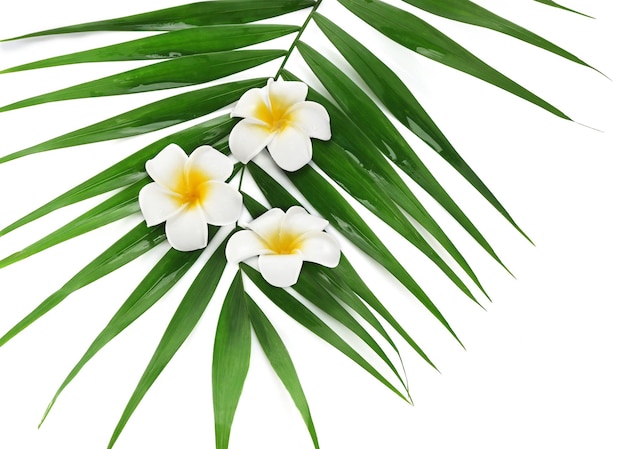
(188, 193)
(283, 241)
(277, 117)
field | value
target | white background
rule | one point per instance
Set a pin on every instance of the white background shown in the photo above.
(544, 365)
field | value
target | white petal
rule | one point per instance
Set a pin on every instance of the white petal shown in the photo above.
(244, 245)
(249, 102)
(312, 118)
(223, 204)
(217, 166)
(286, 93)
(321, 248)
(291, 149)
(157, 204)
(267, 224)
(298, 221)
(167, 166)
(248, 138)
(280, 270)
(187, 230)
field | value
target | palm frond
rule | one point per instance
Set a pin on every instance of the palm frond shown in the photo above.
(373, 166)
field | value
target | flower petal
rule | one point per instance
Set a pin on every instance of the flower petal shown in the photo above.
(267, 224)
(167, 166)
(157, 204)
(249, 102)
(298, 221)
(284, 94)
(187, 230)
(321, 248)
(216, 166)
(244, 245)
(291, 149)
(312, 118)
(223, 204)
(280, 270)
(248, 138)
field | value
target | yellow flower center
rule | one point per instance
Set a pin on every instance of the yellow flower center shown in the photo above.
(192, 188)
(283, 243)
(276, 116)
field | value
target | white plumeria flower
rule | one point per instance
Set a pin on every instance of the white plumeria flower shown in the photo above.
(283, 241)
(277, 117)
(188, 193)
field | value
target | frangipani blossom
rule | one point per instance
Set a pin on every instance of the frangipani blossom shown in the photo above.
(277, 117)
(283, 241)
(188, 193)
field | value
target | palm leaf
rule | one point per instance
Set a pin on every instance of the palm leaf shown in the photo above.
(188, 42)
(206, 41)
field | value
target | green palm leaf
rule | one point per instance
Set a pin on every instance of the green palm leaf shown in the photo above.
(188, 16)
(158, 115)
(182, 323)
(206, 41)
(188, 42)
(417, 35)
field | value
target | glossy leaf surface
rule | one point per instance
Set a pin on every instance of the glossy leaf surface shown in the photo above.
(131, 169)
(179, 72)
(231, 359)
(119, 206)
(422, 38)
(281, 362)
(154, 116)
(175, 44)
(165, 274)
(216, 12)
(330, 205)
(182, 323)
(134, 244)
(319, 292)
(387, 139)
(399, 100)
(295, 309)
(556, 5)
(469, 12)
(361, 149)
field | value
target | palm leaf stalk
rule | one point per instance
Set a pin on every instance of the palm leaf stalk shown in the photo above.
(202, 43)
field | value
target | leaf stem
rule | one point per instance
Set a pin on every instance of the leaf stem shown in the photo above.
(297, 38)
(243, 172)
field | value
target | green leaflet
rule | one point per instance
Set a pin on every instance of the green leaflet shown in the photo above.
(253, 206)
(373, 165)
(384, 135)
(134, 244)
(154, 116)
(399, 100)
(131, 169)
(216, 12)
(349, 280)
(174, 44)
(182, 323)
(556, 5)
(279, 358)
(119, 206)
(179, 72)
(231, 359)
(343, 283)
(369, 188)
(469, 12)
(420, 37)
(292, 307)
(316, 290)
(165, 274)
(331, 205)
